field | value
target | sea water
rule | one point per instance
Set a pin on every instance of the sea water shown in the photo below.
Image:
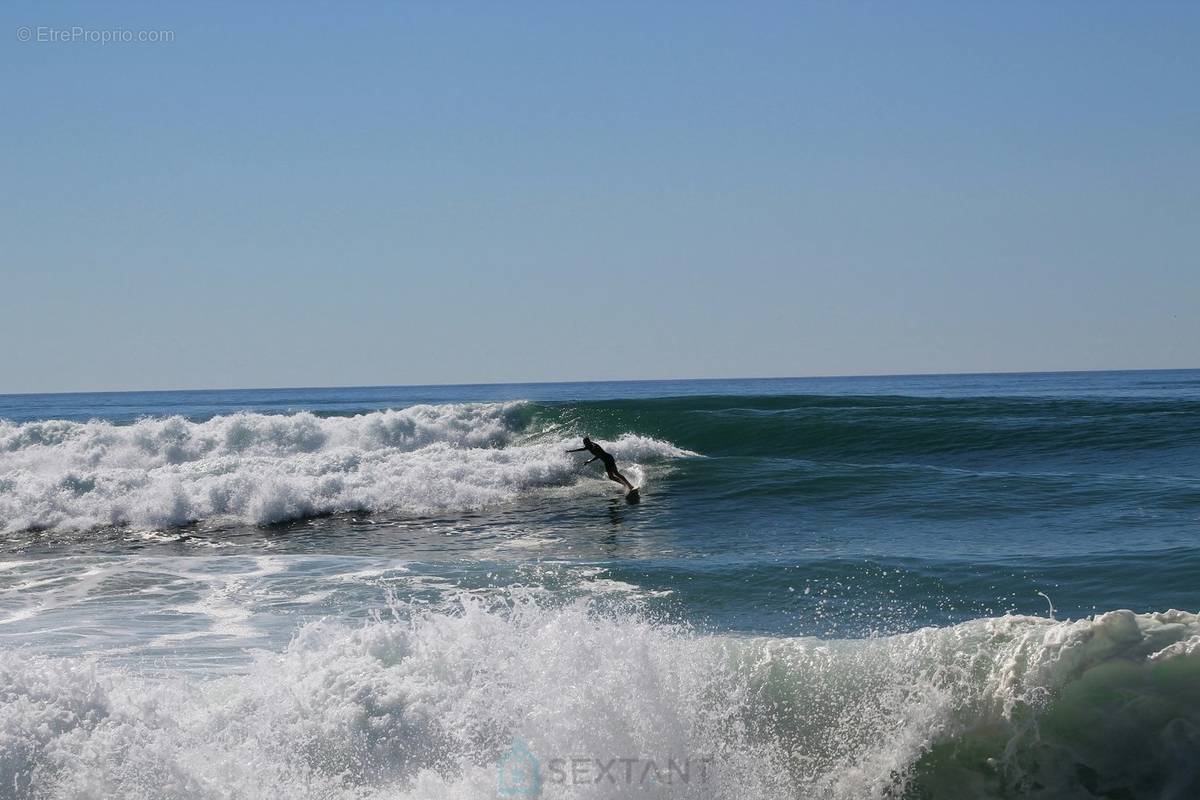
(922, 587)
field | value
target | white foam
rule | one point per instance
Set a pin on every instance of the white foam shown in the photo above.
(425, 706)
(257, 468)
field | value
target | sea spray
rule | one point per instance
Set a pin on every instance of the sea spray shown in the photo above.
(427, 703)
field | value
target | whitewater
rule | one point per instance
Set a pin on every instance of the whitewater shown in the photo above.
(258, 468)
(424, 706)
(920, 587)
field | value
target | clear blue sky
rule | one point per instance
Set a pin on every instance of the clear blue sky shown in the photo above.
(353, 193)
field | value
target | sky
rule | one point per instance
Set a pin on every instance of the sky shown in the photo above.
(318, 194)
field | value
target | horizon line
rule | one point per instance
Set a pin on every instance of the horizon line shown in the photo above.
(608, 380)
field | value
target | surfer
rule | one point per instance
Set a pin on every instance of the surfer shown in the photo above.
(610, 463)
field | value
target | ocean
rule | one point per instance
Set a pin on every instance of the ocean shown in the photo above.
(968, 586)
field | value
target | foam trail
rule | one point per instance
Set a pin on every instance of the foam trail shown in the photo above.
(257, 468)
(425, 706)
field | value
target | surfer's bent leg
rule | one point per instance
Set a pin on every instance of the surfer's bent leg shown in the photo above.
(610, 466)
(619, 478)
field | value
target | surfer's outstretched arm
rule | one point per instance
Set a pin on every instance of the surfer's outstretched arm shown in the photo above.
(577, 450)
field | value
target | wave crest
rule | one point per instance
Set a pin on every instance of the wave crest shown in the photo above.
(258, 468)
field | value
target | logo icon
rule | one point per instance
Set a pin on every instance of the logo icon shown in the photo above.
(518, 773)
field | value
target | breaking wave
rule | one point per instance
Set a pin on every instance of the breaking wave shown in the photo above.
(258, 468)
(427, 704)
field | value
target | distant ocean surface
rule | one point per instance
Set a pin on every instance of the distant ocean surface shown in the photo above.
(970, 586)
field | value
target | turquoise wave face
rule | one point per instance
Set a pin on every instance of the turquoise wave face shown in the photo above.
(938, 430)
(1092, 500)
